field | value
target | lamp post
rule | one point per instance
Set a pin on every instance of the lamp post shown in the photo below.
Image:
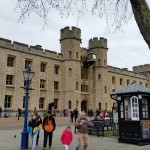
(28, 75)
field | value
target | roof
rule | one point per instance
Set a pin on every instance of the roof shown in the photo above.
(132, 88)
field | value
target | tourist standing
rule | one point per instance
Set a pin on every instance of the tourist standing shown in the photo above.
(49, 126)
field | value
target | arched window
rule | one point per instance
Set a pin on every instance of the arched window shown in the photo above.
(69, 104)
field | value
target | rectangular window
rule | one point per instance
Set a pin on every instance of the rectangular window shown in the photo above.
(84, 88)
(56, 85)
(128, 82)
(9, 79)
(43, 67)
(56, 69)
(56, 103)
(10, 61)
(24, 101)
(42, 83)
(27, 63)
(41, 102)
(70, 54)
(145, 113)
(84, 73)
(77, 55)
(8, 101)
(121, 81)
(76, 85)
(113, 80)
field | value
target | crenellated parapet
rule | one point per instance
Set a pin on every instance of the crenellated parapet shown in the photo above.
(25, 48)
(70, 33)
(97, 43)
(141, 68)
(126, 72)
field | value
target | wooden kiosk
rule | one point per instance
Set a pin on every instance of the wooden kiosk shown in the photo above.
(133, 106)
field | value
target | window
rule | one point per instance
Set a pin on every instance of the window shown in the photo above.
(105, 63)
(84, 88)
(24, 102)
(56, 85)
(43, 67)
(9, 79)
(105, 90)
(113, 80)
(100, 106)
(76, 85)
(99, 76)
(70, 54)
(121, 81)
(84, 73)
(56, 103)
(27, 63)
(146, 85)
(105, 106)
(69, 104)
(145, 113)
(128, 82)
(56, 69)
(42, 83)
(121, 110)
(8, 101)
(10, 61)
(41, 102)
(99, 62)
(77, 55)
(134, 108)
(113, 90)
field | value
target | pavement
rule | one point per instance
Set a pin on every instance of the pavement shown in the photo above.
(11, 126)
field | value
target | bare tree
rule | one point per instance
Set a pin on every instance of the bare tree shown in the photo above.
(115, 12)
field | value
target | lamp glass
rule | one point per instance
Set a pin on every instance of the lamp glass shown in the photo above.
(119, 98)
(28, 74)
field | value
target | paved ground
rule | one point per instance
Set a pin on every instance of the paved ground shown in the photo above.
(11, 126)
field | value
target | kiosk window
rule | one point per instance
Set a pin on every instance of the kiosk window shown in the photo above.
(145, 113)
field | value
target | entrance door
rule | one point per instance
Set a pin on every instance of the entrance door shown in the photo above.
(134, 108)
(84, 106)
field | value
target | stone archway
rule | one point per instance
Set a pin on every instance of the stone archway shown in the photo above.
(84, 105)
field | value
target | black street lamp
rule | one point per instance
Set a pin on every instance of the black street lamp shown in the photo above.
(28, 75)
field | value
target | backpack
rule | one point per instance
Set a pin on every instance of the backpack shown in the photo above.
(49, 126)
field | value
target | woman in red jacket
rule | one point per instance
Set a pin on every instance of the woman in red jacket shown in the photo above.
(66, 137)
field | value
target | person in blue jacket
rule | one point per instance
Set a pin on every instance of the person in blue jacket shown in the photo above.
(34, 127)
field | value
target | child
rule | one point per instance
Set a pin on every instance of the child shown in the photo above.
(66, 137)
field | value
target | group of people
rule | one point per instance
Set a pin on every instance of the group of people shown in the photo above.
(48, 124)
(36, 124)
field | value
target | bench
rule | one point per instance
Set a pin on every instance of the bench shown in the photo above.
(98, 128)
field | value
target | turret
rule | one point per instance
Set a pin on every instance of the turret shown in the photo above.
(70, 39)
(99, 45)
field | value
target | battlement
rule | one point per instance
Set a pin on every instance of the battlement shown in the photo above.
(141, 68)
(25, 48)
(70, 33)
(97, 43)
(126, 72)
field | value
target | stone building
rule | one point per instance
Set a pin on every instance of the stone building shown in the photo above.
(67, 78)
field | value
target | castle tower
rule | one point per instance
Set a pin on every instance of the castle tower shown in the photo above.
(99, 73)
(70, 39)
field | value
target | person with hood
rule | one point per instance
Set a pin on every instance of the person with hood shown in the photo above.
(66, 137)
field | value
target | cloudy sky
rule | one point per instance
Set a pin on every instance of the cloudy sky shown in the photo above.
(126, 48)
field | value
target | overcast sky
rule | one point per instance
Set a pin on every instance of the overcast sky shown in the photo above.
(126, 48)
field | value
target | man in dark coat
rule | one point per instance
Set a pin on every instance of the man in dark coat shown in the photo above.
(48, 118)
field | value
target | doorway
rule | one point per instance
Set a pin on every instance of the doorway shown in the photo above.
(84, 106)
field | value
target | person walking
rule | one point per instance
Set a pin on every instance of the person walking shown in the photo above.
(34, 126)
(66, 137)
(82, 124)
(0, 111)
(38, 135)
(49, 126)
(71, 116)
(19, 113)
